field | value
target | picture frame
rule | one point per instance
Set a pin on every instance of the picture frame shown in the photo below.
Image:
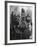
(25, 5)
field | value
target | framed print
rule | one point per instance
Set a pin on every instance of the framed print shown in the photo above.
(20, 22)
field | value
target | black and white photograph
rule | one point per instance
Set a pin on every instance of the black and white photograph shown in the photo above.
(20, 19)
(20, 22)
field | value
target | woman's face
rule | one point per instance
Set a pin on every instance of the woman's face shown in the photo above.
(28, 19)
